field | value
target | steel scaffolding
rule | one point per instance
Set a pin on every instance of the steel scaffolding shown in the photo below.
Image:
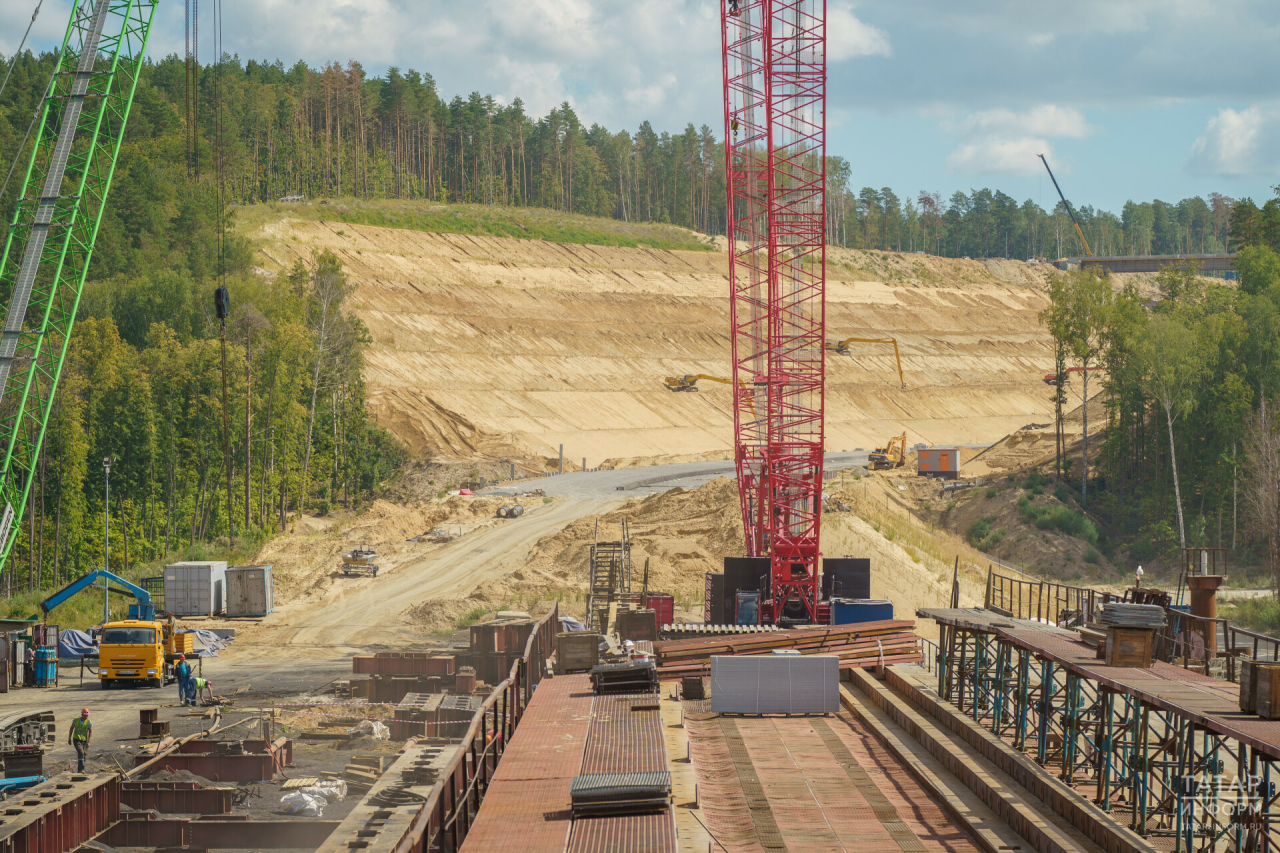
(1163, 751)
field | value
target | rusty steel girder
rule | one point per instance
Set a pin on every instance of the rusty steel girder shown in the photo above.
(223, 761)
(141, 830)
(60, 814)
(176, 797)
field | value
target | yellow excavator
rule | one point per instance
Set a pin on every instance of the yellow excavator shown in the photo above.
(842, 348)
(892, 455)
(689, 382)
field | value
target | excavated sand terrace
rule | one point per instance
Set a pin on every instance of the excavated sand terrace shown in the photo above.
(499, 347)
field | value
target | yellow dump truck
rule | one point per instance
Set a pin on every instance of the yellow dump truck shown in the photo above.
(141, 652)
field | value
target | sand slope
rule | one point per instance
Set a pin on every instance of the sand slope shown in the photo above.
(496, 347)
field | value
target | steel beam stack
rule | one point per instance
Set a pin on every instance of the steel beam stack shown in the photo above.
(774, 62)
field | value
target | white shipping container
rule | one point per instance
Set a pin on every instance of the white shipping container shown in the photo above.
(250, 591)
(195, 588)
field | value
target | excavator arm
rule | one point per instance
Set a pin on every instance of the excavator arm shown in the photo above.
(1056, 379)
(689, 382)
(842, 348)
(145, 607)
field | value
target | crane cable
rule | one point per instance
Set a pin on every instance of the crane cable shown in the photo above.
(21, 44)
(48, 91)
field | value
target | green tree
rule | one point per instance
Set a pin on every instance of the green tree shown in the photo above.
(1088, 300)
(1172, 361)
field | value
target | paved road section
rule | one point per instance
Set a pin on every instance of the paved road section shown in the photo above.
(640, 482)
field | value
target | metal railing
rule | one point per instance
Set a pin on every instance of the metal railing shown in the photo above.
(1041, 600)
(929, 655)
(444, 820)
(1186, 638)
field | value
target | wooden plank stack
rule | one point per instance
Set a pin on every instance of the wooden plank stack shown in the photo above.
(866, 644)
(362, 771)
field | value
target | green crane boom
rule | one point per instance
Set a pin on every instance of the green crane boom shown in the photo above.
(80, 125)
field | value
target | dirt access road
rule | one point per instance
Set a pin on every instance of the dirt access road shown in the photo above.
(372, 613)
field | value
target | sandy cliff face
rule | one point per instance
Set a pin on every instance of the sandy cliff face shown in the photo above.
(495, 347)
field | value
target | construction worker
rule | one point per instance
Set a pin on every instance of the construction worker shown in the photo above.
(200, 685)
(183, 671)
(79, 736)
(734, 11)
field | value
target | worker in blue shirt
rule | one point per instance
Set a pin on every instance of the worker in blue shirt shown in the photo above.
(183, 671)
(79, 736)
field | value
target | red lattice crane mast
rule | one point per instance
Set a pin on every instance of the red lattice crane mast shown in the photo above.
(774, 54)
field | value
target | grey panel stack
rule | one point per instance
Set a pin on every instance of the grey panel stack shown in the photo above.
(775, 684)
(1116, 614)
(195, 588)
(620, 793)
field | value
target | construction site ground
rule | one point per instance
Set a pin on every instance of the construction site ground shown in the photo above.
(493, 351)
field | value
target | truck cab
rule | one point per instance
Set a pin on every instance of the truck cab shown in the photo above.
(140, 652)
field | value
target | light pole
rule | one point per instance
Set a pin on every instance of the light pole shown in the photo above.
(106, 529)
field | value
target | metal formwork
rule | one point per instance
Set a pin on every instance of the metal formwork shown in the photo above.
(1165, 751)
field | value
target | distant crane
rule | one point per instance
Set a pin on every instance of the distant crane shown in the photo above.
(1067, 205)
(842, 348)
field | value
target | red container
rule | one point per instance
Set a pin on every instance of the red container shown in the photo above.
(663, 604)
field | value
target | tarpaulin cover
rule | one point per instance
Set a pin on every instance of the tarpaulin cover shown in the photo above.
(75, 644)
(207, 642)
(568, 623)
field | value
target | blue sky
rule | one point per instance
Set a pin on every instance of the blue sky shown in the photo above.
(1130, 99)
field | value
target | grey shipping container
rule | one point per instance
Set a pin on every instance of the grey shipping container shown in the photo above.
(250, 591)
(195, 588)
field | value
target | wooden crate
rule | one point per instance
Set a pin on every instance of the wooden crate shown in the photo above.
(576, 651)
(1248, 686)
(1266, 691)
(1129, 647)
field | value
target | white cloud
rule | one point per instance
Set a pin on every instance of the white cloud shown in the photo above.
(1008, 142)
(1047, 120)
(849, 37)
(1244, 142)
(1008, 156)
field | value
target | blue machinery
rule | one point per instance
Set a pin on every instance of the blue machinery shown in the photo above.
(1165, 751)
(143, 610)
